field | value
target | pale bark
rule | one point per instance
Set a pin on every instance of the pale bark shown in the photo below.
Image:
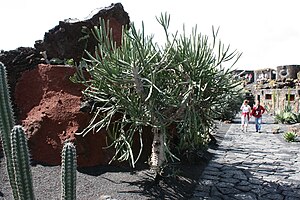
(158, 153)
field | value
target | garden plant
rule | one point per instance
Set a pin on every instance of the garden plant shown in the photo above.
(290, 136)
(182, 83)
(17, 154)
(287, 116)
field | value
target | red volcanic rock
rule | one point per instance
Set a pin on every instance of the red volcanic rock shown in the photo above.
(46, 102)
(67, 40)
(49, 106)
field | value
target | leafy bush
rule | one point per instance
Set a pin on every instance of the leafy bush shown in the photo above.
(141, 84)
(287, 116)
(290, 136)
(230, 107)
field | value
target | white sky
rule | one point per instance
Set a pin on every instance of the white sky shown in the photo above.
(267, 32)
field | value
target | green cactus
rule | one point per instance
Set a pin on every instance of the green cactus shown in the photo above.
(20, 158)
(7, 122)
(68, 171)
(17, 154)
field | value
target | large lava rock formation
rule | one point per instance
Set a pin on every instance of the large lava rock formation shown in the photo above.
(46, 102)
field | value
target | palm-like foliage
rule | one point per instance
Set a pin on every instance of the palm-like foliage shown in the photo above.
(142, 84)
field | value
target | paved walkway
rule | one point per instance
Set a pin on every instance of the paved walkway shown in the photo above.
(252, 165)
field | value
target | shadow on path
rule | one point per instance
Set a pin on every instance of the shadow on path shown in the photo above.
(234, 182)
(250, 165)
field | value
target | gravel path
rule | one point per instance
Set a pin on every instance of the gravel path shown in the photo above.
(118, 183)
(252, 165)
(91, 184)
(244, 166)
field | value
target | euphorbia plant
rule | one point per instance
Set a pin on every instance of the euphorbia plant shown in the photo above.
(141, 84)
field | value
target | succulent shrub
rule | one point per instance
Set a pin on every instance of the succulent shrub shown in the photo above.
(287, 116)
(290, 136)
(279, 118)
(230, 105)
(141, 84)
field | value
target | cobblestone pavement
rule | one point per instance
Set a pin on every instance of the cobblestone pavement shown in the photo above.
(252, 165)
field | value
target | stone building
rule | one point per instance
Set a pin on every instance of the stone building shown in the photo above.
(287, 72)
(264, 74)
(277, 88)
(275, 100)
(247, 75)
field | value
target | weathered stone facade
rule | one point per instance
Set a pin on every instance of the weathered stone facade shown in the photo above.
(247, 75)
(287, 72)
(264, 74)
(277, 88)
(275, 100)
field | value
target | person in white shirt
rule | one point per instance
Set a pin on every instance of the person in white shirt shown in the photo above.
(246, 110)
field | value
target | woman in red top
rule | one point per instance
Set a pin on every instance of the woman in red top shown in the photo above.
(257, 112)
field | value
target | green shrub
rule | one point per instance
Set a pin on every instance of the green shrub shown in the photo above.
(290, 136)
(141, 84)
(230, 107)
(287, 116)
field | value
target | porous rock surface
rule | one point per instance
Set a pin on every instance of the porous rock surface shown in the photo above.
(45, 101)
(69, 38)
(64, 41)
(49, 107)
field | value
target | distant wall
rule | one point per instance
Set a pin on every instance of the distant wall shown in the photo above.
(275, 100)
(264, 74)
(287, 72)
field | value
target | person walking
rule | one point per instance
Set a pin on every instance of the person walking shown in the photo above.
(257, 112)
(246, 109)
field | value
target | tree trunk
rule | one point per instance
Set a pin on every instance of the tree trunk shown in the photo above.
(158, 153)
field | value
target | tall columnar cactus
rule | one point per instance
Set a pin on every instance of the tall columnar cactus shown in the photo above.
(68, 171)
(7, 122)
(17, 153)
(20, 161)
(7, 117)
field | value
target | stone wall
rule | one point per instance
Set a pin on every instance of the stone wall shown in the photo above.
(287, 72)
(275, 100)
(264, 74)
(277, 88)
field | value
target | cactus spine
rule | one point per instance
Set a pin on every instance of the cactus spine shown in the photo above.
(17, 154)
(68, 171)
(7, 122)
(20, 158)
